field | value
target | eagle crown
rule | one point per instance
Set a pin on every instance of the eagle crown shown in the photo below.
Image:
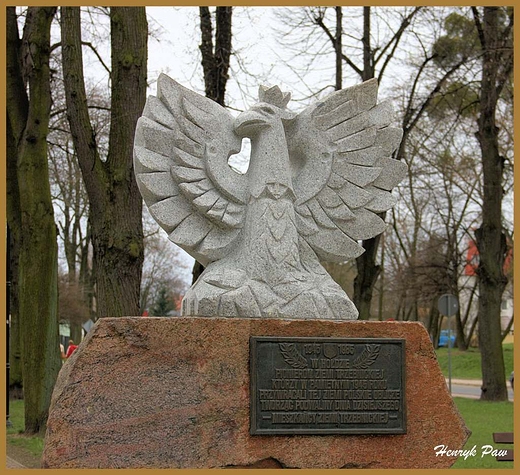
(273, 96)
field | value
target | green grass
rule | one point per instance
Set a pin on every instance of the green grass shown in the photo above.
(15, 436)
(483, 418)
(466, 364)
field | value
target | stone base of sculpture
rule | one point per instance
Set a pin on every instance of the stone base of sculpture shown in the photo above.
(175, 393)
(225, 291)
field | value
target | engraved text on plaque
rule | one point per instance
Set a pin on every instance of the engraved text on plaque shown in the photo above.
(320, 385)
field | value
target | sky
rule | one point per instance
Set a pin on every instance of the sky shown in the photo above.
(257, 48)
(176, 51)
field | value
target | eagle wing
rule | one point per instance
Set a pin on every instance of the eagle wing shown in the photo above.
(341, 151)
(181, 150)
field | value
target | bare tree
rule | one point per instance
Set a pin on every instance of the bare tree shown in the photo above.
(115, 202)
(495, 32)
(73, 307)
(68, 190)
(372, 62)
(28, 117)
(162, 268)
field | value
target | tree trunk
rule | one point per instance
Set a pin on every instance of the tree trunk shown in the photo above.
(14, 222)
(368, 272)
(381, 282)
(76, 332)
(452, 258)
(467, 335)
(440, 321)
(472, 330)
(491, 241)
(38, 265)
(215, 61)
(460, 337)
(338, 48)
(368, 60)
(215, 64)
(120, 251)
(433, 325)
(115, 202)
(86, 277)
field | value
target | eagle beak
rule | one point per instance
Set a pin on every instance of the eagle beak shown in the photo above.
(248, 122)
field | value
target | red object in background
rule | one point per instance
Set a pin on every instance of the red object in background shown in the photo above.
(71, 349)
(177, 301)
(473, 259)
(145, 313)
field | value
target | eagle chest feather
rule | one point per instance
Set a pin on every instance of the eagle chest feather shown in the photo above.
(272, 242)
(273, 239)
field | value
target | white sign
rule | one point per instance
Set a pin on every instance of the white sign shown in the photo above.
(88, 325)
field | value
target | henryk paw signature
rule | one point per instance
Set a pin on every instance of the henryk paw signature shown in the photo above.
(444, 451)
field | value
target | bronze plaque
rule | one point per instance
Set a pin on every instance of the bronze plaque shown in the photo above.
(325, 385)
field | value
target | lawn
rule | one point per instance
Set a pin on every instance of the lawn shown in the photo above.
(483, 418)
(466, 364)
(15, 436)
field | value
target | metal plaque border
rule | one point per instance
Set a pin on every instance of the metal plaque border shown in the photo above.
(254, 430)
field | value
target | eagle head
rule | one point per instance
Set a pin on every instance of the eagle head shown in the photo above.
(265, 113)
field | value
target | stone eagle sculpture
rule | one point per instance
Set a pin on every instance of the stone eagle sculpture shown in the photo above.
(315, 185)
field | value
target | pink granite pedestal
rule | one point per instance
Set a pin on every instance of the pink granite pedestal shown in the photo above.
(174, 393)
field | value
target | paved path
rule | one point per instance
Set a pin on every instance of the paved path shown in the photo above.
(470, 388)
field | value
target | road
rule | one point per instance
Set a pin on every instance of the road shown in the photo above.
(471, 388)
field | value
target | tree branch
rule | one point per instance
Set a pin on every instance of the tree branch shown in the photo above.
(319, 22)
(434, 91)
(478, 24)
(409, 109)
(395, 39)
(81, 129)
(94, 50)
(64, 110)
